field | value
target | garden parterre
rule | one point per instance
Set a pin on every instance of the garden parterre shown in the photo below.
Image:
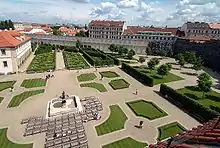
(74, 60)
(42, 62)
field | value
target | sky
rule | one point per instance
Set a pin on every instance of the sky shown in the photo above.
(172, 13)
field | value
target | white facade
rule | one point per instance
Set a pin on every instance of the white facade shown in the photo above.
(12, 58)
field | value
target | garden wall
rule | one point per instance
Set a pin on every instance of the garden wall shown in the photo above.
(194, 109)
(141, 77)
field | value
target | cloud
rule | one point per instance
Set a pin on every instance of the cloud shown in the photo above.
(128, 3)
(103, 9)
(196, 10)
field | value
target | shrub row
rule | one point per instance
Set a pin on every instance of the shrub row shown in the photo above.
(103, 60)
(116, 61)
(193, 108)
(70, 49)
(141, 77)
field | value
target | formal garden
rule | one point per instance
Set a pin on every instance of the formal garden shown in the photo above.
(42, 62)
(125, 143)
(74, 60)
(86, 77)
(5, 143)
(100, 87)
(6, 85)
(30, 83)
(169, 130)
(119, 84)
(146, 109)
(18, 99)
(112, 123)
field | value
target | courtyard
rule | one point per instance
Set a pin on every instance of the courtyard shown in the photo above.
(114, 88)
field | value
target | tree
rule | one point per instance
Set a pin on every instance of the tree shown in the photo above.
(197, 65)
(190, 57)
(78, 44)
(163, 70)
(141, 59)
(112, 48)
(169, 66)
(204, 83)
(181, 60)
(130, 54)
(153, 63)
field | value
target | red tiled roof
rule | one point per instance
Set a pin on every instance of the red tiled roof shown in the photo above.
(135, 29)
(214, 26)
(9, 38)
(200, 137)
(107, 23)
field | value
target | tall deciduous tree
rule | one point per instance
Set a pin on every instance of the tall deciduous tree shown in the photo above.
(181, 60)
(190, 57)
(198, 64)
(131, 53)
(153, 63)
(204, 83)
(163, 70)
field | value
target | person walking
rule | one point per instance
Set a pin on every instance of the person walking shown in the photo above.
(12, 89)
(136, 92)
(141, 124)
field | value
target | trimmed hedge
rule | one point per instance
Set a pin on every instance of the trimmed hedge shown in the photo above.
(194, 109)
(96, 58)
(141, 77)
(44, 48)
(116, 61)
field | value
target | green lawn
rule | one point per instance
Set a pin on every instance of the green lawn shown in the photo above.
(5, 143)
(30, 83)
(43, 62)
(109, 74)
(169, 130)
(86, 77)
(1, 98)
(211, 99)
(157, 79)
(6, 85)
(74, 60)
(125, 143)
(115, 121)
(18, 99)
(146, 109)
(98, 86)
(119, 84)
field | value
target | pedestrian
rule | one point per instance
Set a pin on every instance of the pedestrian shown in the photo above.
(136, 92)
(101, 77)
(141, 124)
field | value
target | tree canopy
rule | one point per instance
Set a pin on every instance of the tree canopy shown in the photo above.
(204, 83)
(6, 24)
(131, 53)
(163, 70)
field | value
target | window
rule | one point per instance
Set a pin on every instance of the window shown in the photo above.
(3, 52)
(5, 64)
